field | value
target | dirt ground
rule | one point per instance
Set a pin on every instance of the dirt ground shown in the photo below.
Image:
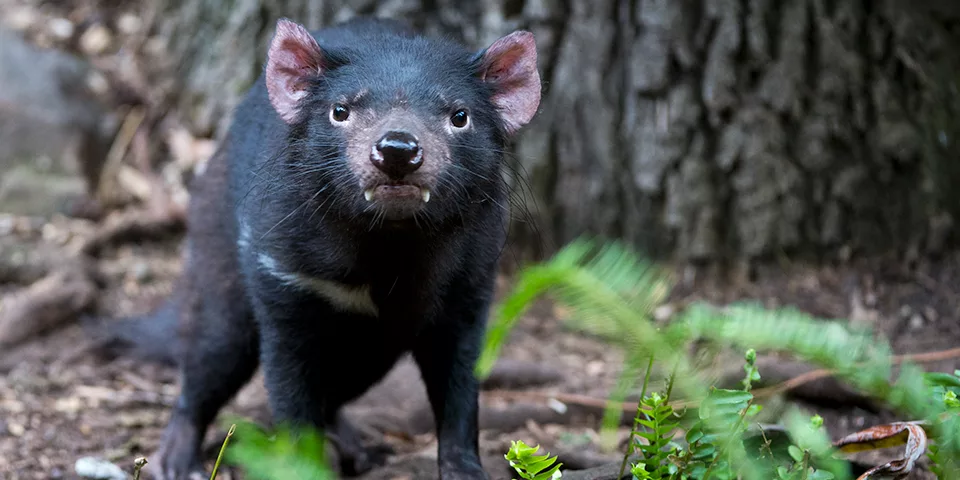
(59, 403)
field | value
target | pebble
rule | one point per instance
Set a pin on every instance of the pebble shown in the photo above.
(154, 46)
(663, 313)
(68, 405)
(916, 321)
(129, 24)
(99, 469)
(16, 429)
(7, 224)
(97, 83)
(60, 28)
(12, 406)
(21, 18)
(557, 406)
(595, 368)
(95, 40)
(142, 272)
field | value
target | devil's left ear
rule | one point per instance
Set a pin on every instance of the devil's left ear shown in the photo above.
(294, 56)
(510, 65)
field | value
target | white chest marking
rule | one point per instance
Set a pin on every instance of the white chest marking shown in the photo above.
(342, 297)
(243, 241)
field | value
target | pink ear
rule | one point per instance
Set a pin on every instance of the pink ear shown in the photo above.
(293, 56)
(510, 64)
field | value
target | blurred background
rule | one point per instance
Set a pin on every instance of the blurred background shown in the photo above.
(796, 152)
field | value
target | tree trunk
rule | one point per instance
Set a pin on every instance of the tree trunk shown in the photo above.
(699, 129)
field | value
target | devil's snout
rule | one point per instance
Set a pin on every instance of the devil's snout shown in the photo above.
(397, 154)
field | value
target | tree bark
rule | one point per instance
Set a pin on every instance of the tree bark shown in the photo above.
(698, 129)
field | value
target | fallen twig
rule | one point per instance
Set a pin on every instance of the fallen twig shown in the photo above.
(516, 416)
(135, 223)
(631, 407)
(924, 357)
(106, 186)
(57, 298)
(510, 374)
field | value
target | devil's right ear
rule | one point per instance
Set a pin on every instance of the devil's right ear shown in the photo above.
(293, 58)
(510, 65)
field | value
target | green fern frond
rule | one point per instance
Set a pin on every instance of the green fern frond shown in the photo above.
(532, 467)
(658, 419)
(531, 283)
(611, 292)
(944, 388)
(856, 356)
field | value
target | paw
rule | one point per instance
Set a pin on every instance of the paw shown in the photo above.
(178, 457)
(464, 475)
(356, 456)
(357, 460)
(173, 471)
(462, 470)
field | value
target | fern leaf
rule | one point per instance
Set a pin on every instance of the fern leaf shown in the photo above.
(529, 466)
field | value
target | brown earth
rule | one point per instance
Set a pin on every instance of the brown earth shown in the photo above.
(59, 403)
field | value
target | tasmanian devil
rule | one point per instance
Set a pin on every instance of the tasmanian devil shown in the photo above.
(354, 212)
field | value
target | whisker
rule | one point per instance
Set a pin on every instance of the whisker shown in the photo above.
(291, 213)
(468, 170)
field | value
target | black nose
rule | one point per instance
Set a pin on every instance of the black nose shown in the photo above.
(397, 154)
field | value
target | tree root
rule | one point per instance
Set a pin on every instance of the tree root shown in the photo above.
(133, 224)
(59, 297)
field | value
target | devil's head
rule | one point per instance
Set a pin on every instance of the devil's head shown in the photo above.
(400, 128)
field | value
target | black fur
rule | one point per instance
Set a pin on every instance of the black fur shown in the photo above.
(431, 277)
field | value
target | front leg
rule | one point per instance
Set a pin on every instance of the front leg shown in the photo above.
(305, 384)
(290, 373)
(446, 354)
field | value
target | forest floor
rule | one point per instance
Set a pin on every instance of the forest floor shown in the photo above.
(59, 402)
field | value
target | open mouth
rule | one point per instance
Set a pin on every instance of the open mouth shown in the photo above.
(394, 192)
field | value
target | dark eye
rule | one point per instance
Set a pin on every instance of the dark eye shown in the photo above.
(459, 118)
(340, 113)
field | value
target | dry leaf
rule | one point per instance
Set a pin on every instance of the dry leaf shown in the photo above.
(895, 434)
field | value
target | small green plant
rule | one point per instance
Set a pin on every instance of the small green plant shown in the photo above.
(138, 465)
(715, 441)
(223, 449)
(530, 466)
(282, 454)
(944, 388)
(811, 447)
(660, 425)
(611, 293)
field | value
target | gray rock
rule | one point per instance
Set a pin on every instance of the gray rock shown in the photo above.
(52, 139)
(95, 468)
